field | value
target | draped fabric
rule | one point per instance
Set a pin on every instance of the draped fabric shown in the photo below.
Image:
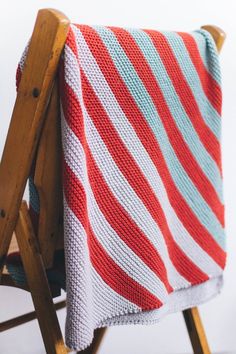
(142, 176)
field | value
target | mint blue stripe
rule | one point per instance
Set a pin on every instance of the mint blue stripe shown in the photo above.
(146, 106)
(208, 52)
(178, 112)
(208, 112)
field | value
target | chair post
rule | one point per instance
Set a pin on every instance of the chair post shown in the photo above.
(35, 88)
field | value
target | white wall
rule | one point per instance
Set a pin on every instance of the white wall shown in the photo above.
(16, 23)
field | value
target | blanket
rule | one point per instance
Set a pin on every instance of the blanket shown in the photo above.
(142, 175)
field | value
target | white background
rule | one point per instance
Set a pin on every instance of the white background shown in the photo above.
(219, 316)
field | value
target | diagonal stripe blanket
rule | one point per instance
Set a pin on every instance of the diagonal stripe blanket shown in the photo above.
(142, 178)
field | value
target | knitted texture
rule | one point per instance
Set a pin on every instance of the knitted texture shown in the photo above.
(143, 206)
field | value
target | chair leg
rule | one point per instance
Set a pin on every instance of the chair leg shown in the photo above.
(38, 284)
(95, 345)
(196, 331)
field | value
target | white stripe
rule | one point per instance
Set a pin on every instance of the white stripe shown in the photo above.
(78, 282)
(128, 135)
(23, 57)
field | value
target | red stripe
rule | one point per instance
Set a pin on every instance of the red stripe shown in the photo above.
(181, 148)
(210, 85)
(110, 272)
(112, 210)
(71, 41)
(185, 94)
(185, 214)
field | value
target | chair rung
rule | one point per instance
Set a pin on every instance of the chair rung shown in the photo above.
(17, 321)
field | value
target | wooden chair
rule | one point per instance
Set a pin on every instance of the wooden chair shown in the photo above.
(34, 135)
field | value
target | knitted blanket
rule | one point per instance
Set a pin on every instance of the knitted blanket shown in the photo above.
(142, 179)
